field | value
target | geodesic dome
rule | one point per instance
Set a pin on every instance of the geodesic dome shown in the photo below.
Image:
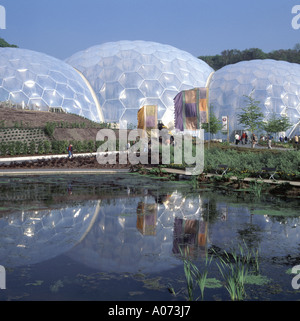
(128, 75)
(125, 247)
(275, 84)
(36, 236)
(38, 81)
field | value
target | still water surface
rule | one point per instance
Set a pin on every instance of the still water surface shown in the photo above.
(122, 237)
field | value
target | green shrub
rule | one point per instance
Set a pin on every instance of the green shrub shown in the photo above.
(11, 148)
(47, 147)
(91, 146)
(49, 128)
(18, 147)
(32, 147)
(3, 148)
(286, 162)
(40, 148)
(25, 150)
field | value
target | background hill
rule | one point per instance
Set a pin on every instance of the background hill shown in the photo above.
(15, 124)
(233, 56)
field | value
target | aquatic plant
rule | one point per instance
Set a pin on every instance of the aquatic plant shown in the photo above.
(256, 188)
(235, 269)
(234, 274)
(189, 278)
(201, 277)
(194, 276)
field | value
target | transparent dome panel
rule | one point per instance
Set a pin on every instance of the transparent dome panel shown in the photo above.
(131, 98)
(37, 76)
(138, 69)
(272, 83)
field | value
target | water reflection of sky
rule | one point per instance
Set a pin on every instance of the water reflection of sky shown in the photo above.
(142, 233)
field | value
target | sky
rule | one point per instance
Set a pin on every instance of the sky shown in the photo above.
(201, 27)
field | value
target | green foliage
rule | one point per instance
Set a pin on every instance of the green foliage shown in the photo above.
(233, 56)
(4, 43)
(49, 128)
(256, 188)
(214, 125)
(25, 148)
(18, 148)
(59, 147)
(3, 148)
(11, 148)
(251, 115)
(250, 163)
(277, 124)
(91, 146)
(235, 267)
(47, 147)
(40, 148)
(32, 147)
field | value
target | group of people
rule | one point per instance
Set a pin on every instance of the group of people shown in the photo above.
(266, 138)
(283, 139)
(241, 138)
(254, 140)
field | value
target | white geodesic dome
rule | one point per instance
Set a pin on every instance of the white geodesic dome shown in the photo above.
(35, 236)
(275, 84)
(116, 243)
(37, 81)
(127, 75)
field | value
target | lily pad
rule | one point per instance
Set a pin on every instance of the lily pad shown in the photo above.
(38, 282)
(257, 279)
(272, 212)
(213, 283)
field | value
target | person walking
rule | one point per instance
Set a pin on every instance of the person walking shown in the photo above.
(254, 140)
(243, 138)
(296, 141)
(237, 138)
(70, 150)
(270, 142)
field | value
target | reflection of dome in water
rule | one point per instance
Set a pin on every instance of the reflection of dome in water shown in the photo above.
(32, 237)
(40, 82)
(127, 75)
(130, 242)
(275, 84)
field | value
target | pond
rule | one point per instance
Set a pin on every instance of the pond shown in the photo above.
(127, 237)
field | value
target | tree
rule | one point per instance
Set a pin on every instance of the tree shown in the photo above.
(3, 43)
(232, 56)
(276, 124)
(297, 47)
(251, 115)
(214, 125)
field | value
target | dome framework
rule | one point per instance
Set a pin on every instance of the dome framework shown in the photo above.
(128, 75)
(274, 84)
(41, 82)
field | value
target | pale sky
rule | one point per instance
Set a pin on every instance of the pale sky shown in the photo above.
(201, 27)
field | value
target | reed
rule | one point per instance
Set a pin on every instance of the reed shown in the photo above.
(235, 267)
(195, 276)
(256, 188)
(201, 277)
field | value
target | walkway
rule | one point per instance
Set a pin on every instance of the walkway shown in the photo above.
(257, 146)
(10, 172)
(247, 179)
(41, 157)
(56, 171)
